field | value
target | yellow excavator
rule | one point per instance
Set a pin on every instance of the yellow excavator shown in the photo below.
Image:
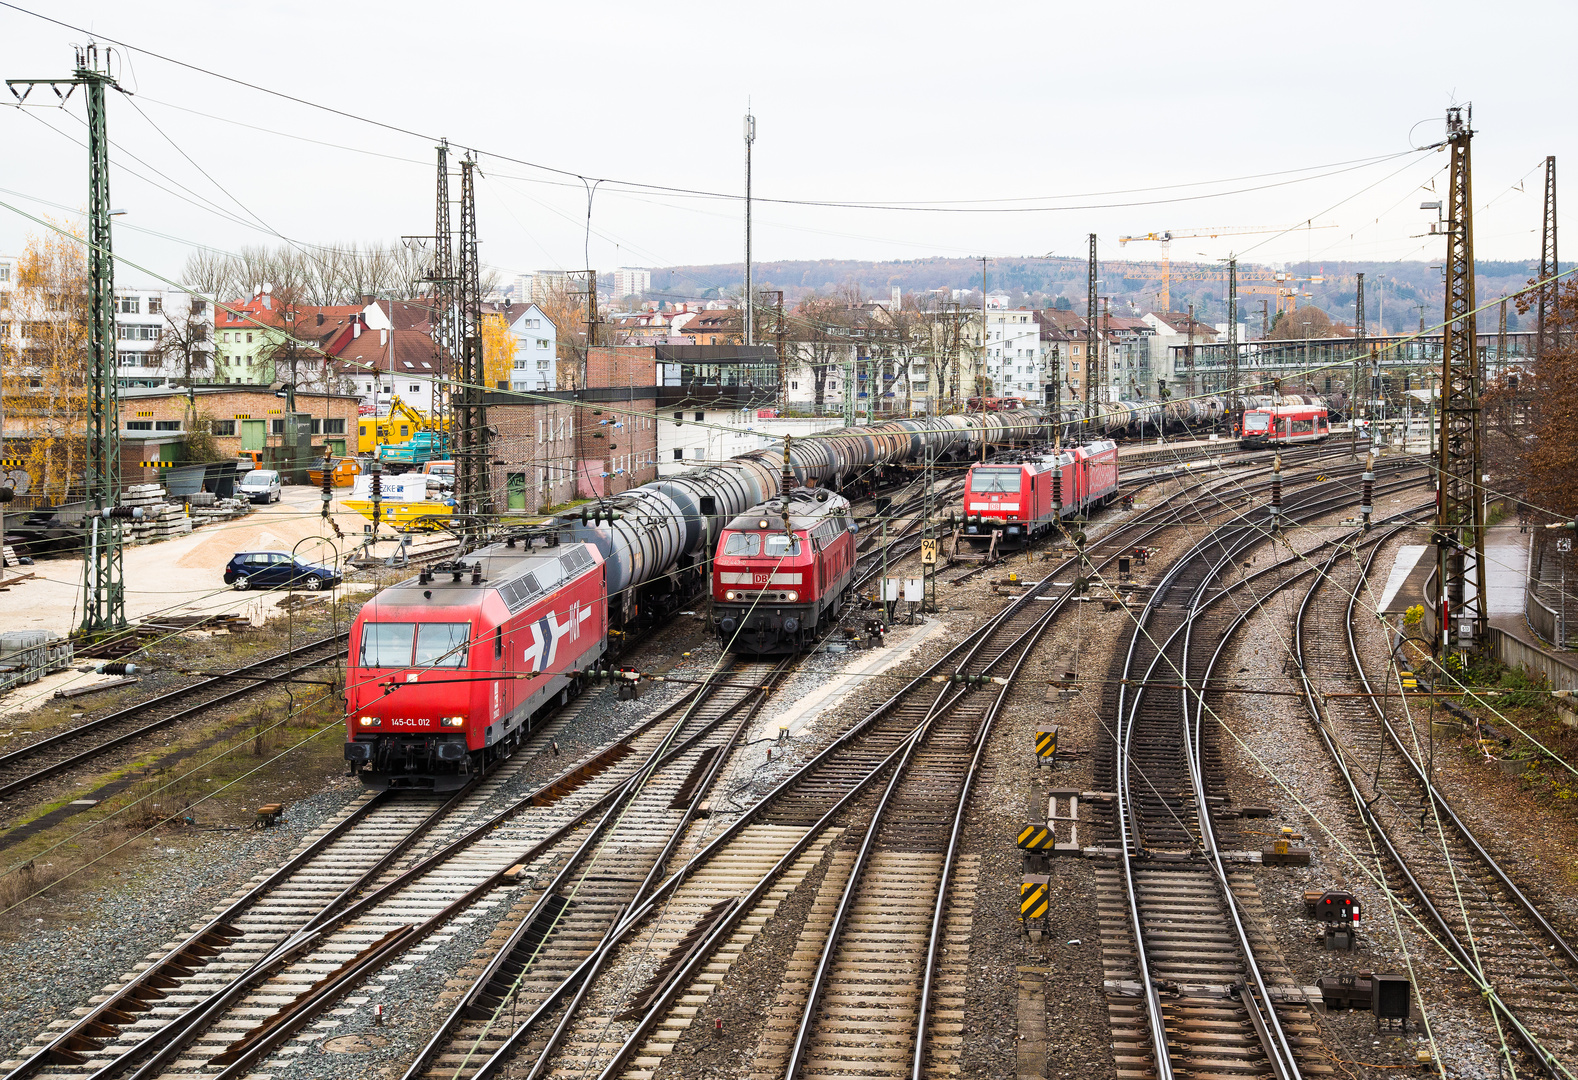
(398, 427)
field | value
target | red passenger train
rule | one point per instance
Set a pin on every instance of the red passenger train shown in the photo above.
(434, 689)
(1016, 498)
(783, 571)
(1284, 425)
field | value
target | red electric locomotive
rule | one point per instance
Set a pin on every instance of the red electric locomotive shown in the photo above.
(1283, 425)
(782, 571)
(431, 694)
(1015, 498)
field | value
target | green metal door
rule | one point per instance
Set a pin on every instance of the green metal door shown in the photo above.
(515, 486)
(253, 434)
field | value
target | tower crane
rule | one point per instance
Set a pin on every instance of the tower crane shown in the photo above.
(1166, 238)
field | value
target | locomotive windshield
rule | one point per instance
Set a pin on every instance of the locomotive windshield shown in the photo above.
(1256, 421)
(403, 645)
(742, 544)
(751, 544)
(994, 480)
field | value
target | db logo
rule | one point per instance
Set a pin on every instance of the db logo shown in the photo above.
(759, 579)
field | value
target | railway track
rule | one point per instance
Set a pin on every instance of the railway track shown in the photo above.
(884, 932)
(1524, 969)
(592, 881)
(55, 754)
(318, 909)
(1175, 919)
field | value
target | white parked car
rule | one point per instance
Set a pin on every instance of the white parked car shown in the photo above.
(259, 486)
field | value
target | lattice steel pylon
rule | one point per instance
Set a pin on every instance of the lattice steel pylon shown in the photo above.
(1090, 333)
(442, 278)
(103, 577)
(1460, 535)
(1232, 337)
(1353, 389)
(469, 434)
(1548, 266)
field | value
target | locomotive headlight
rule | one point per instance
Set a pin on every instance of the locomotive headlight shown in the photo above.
(368, 721)
(452, 721)
(791, 596)
(729, 595)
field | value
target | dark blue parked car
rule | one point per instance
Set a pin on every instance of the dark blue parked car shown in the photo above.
(277, 569)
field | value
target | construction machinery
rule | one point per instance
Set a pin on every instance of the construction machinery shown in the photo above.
(398, 426)
(1166, 238)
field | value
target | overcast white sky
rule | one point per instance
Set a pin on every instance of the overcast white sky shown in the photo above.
(1132, 112)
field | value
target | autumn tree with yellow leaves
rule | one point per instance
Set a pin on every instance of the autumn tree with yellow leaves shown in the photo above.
(498, 350)
(45, 369)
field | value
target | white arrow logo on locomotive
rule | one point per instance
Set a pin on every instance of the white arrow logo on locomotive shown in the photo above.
(547, 632)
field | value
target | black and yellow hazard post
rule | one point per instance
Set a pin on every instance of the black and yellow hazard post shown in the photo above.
(1046, 746)
(1036, 837)
(1033, 904)
(1408, 679)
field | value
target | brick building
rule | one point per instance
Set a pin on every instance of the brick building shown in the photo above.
(616, 442)
(240, 418)
(621, 366)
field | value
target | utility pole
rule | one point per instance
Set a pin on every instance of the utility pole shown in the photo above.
(1189, 353)
(103, 579)
(1265, 319)
(1461, 524)
(473, 494)
(1232, 337)
(1090, 332)
(1548, 267)
(750, 324)
(1358, 347)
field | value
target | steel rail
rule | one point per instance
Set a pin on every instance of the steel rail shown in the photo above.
(724, 926)
(944, 704)
(275, 1029)
(1128, 814)
(74, 734)
(1547, 1060)
(1272, 1034)
(166, 1042)
(58, 1051)
(194, 1019)
(606, 946)
(1378, 830)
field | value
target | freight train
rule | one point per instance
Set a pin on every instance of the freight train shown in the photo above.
(1015, 499)
(450, 668)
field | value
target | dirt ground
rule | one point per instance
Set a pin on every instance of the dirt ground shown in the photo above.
(183, 576)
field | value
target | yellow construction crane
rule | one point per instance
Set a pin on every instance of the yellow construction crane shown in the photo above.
(1166, 238)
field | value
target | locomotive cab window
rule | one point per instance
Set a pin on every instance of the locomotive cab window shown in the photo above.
(994, 480)
(1256, 421)
(403, 645)
(778, 544)
(742, 544)
(441, 644)
(387, 645)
